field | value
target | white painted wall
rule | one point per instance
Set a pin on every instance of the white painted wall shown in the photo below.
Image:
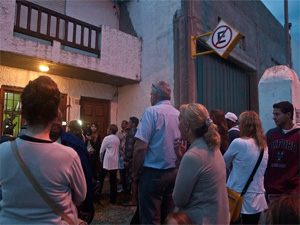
(120, 52)
(153, 23)
(101, 12)
(278, 83)
(73, 87)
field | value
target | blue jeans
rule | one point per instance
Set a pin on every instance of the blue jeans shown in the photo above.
(155, 194)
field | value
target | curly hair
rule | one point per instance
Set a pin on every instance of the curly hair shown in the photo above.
(219, 119)
(40, 100)
(196, 115)
(250, 126)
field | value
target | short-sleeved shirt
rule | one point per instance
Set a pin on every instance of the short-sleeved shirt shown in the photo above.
(159, 128)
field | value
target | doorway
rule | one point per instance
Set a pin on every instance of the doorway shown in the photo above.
(95, 110)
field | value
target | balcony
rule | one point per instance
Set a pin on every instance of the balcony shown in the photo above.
(31, 34)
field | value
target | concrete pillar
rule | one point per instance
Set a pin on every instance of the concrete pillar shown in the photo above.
(278, 83)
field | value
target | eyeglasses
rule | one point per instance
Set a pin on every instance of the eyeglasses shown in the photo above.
(155, 88)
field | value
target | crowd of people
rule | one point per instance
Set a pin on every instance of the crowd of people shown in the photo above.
(176, 164)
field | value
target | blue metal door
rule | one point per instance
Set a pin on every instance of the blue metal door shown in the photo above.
(222, 85)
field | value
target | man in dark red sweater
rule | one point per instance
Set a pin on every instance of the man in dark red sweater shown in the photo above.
(282, 174)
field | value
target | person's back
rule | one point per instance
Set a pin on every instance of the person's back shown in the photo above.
(56, 168)
(242, 156)
(207, 202)
(51, 165)
(282, 175)
(60, 136)
(154, 156)
(160, 153)
(72, 141)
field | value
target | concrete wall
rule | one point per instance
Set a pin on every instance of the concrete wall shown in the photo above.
(56, 5)
(72, 87)
(263, 41)
(278, 83)
(152, 21)
(94, 12)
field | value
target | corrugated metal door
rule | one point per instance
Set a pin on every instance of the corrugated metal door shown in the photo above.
(222, 85)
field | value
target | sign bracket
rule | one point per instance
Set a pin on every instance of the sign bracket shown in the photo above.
(193, 45)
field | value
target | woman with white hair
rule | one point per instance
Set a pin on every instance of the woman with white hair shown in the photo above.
(200, 187)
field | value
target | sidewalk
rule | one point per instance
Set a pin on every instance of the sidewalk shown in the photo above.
(113, 214)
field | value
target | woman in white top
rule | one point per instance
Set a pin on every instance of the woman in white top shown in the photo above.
(109, 156)
(200, 186)
(241, 158)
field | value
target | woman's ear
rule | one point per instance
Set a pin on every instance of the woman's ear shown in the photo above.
(187, 127)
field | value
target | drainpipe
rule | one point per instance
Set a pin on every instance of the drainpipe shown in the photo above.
(287, 34)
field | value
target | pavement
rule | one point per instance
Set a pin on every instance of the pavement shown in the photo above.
(113, 214)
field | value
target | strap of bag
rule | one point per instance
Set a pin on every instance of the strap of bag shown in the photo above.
(54, 206)
(253, 172)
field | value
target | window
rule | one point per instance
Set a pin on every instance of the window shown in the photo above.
(11, 111)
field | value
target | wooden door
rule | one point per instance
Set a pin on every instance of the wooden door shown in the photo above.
(95, 110)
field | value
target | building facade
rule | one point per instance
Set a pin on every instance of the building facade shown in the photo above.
(108, 53)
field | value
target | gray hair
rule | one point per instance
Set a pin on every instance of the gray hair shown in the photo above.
(162, 89)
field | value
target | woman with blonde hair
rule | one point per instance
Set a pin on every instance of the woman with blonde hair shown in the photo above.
(241, 158)
(200, 187)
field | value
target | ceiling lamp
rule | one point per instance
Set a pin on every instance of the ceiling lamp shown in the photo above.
(44, 68)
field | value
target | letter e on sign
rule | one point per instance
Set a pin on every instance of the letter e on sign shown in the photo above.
(223, 39)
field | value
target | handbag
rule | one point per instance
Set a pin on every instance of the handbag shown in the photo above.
(54, 206)
(236, 199)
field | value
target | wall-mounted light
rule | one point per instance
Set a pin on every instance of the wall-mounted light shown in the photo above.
(80, 122)
(44, 68)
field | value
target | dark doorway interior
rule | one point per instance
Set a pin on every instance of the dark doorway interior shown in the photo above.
(95, 110)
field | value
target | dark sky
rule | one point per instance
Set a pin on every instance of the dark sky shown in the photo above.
(276, 7)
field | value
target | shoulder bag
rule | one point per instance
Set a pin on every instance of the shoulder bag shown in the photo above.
(235, 199)
(54, 206)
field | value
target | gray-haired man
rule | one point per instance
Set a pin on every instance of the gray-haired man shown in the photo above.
(154, 156)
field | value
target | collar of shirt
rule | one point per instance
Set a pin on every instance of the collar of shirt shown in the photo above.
(165, 102)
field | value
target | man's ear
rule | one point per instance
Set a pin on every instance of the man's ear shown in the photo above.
(289, 114)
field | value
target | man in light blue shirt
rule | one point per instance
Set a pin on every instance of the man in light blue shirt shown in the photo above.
(154, 156)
